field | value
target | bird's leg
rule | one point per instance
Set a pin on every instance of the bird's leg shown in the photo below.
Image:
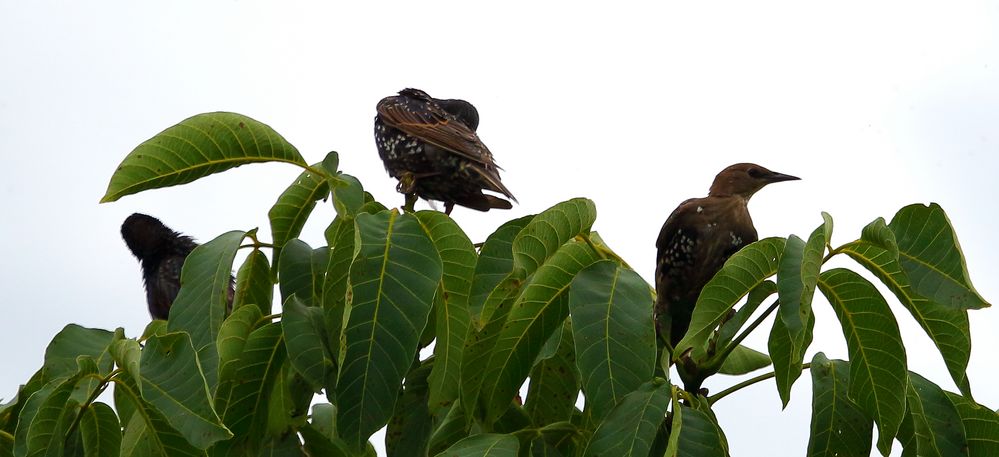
(410, 202)
(448, 206)
(407, 183)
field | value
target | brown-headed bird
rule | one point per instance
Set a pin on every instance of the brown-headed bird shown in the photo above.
(161, 252)
(697, 239)
(431, 147)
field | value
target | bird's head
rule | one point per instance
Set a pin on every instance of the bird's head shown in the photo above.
(464, 111)
(415, 93)
(744, 179)
(144, 234)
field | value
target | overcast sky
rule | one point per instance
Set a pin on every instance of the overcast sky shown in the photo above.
(874, 105)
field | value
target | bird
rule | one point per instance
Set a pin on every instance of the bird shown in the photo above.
(698, 237)
(431, 147)
(161, 253)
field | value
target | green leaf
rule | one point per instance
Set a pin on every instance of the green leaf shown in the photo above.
(320, 445)
(877, 356)
(631, 426)
(198, 146)
(331, 163)
(675, 425)
(744, 360)
(293, 207)
(946, 326)
(126, 354)
(30, 409)
(551, 345)
(548, 231)
(936, 423)
(288, 445)
(46, 429)
(797, 275)
(324, 419)
(731, 326)
(154, 327)
(348, 196)
(253, 283)
(785, 356)
(551, 396)
(302, 272)
(537, 313)
(931, 257)
(494, 264)
(839, 427)
(743, 272)
(700, 435)
(340, 236)
(452, 317)
(906, 435)
(232, 338)
(287, 399)
(615, 336)
(100, 430)
(243, 398)
(10, 411)
(408, 431)
(6, 445)
(173, 383)
(148, 433)
(200, 306)
(453, 427)
(484, 445)
(558, 439)
(981, 426)
(73, 341)
(393, 279)
(306, 342)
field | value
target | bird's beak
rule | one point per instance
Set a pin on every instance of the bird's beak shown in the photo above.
(778, 177)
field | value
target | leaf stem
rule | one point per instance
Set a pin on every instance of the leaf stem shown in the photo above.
(719, 358)
(6, 436)
(763, 377)
(266, 318)
(104, 381)
(316, 171)
(602, 251)
(831, 253)
(256, 245)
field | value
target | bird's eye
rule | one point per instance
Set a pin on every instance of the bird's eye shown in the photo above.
(754, 172)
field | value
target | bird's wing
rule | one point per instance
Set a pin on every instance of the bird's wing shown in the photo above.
(675, 246)
(169, 277)
(429, 122)
(671, 228)
(163, 285)
(492, 180)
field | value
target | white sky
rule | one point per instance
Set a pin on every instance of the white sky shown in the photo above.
(637, 106)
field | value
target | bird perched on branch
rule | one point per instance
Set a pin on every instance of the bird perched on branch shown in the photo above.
(431, 147)
(161, 252)
(697, 239)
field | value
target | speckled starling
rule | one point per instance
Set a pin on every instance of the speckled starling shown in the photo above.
(161, 252)
(697, 239)
(431, 147)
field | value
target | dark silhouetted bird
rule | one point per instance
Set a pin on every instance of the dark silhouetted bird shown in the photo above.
(161, 252)
(697, 239)
(431, 147)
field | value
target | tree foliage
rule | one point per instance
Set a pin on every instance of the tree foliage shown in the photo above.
(543, 303)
